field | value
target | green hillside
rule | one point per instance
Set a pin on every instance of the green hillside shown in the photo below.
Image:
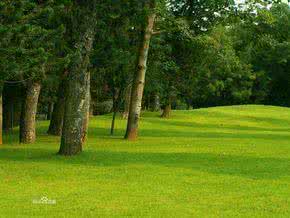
(215, 162)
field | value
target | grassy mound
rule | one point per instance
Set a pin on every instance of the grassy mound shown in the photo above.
(224, 161)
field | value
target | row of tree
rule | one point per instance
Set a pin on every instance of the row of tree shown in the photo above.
(66, 57)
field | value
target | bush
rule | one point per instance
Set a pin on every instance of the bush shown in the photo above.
(104, 107)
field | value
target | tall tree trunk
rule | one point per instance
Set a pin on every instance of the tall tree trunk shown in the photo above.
(28, 113)
(127, 99)
(56, 122)
(78, 86)
(139, 77)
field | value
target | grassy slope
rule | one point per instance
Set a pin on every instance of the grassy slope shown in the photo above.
(225, 161)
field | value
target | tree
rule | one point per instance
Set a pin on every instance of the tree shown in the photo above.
(30, 36)
(84, 17)
(139, 77)
(162, 73)
(262, 40)
(28, 113)
(115, 52)
(56, 121)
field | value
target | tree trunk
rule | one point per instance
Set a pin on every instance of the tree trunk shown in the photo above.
(76, 116)
(113, 122)
(49, 110)
(12, 99)
(8, 115)
(28, 113)
(56, 122)
(77, 99)
(139, 77)
(156, 102)
(167, 111)
(87, 106)
(127, 102)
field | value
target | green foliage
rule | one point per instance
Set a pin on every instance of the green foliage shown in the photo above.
(215, 73)
(264, 43)
(29, 37)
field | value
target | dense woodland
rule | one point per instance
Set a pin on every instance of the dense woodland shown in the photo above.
(69, 60)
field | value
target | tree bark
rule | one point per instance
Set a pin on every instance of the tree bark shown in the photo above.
(139, 77)
(49, 110)
(77, 99)
(113, 122)
(127, 102)
(87, 106)
(56, 122)
(28, 113)
(167, 111)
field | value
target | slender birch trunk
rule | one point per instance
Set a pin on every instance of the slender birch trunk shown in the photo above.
(139, 77)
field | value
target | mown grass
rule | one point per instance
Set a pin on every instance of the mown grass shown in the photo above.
(216, 162)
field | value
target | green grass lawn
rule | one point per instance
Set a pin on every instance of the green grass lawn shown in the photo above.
(216, 162)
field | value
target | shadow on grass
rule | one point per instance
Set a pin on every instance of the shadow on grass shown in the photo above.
(219, 164)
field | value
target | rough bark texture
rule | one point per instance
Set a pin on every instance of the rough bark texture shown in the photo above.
(28, 113)
(78, 85)
(76, 117)
(127, 99)
(87, 106)
(139, 77)
(167, 111)
(56, 122)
